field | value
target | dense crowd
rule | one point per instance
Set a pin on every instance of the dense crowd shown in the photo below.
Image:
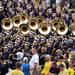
(36, 54)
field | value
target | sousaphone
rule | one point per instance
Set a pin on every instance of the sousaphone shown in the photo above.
(40, 19)
(24, 29)
(44, 28)
(33, 24)
(55, 23)
(62, 29)
(7, 24)
(17, 20)
(24, 17)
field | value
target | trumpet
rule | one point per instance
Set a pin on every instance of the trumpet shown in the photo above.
(7, 24)
(24, 29)
(44, 28)
(33, 24)
(17, 20)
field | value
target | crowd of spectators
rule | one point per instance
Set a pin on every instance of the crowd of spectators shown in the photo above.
(36, 54)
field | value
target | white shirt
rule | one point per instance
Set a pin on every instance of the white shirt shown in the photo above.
(34, 59)
(19, 55)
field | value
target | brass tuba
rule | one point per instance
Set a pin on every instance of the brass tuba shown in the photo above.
(37, 2)
(40, 19)
(17, 20)
(44, 28)
(72, 28)
(62, 29)
(7, 24)
(33, 24)
(24, 17)
(55, 23)
(24, 29)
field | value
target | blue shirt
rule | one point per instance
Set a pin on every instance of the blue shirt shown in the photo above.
(26, 69)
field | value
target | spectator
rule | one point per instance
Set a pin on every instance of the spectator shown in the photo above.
(34, 62)
(25, 66)
(47, 65)
(60, 61)
(63, 71)
(54, 69)
(18, 70)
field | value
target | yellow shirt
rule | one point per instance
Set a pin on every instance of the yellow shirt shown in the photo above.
(17, 72)
(71, 71)
(64, 72)
(46, 68)
(58, 63)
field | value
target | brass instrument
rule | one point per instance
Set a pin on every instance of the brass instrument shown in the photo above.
(40, 19)
(62, 29)
(55, 23)
(37, 2)
(44, 28)
(72, 27)
(33, 24)
(24, 29)
(7, 24)
(24, 17)
(17, 20)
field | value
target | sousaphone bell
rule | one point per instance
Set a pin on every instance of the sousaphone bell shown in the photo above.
(33, 24)
(24, 29)
(7, 24)
(17, 21)
(40, 19)
(62, 29)
(24, 17)
(44, 28)
(55, 23)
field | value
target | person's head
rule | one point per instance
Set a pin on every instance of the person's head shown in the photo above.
(49, 44)
(73, 67)
(47, 58)
(18, 65)
(66, 55)
(33, 50)
(25, 60)
(61, 59)
(54, 64)
(61, 67)
(43, 49)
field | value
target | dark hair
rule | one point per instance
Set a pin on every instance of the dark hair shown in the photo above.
(61, 57)
(18, 65)
(61, 65)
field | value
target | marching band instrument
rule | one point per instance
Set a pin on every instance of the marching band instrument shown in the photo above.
(44, 28)
(72, 27)
(33, 24)
(17, 20)
(36, 2)
(24, 18)
(62, 29)
(24, 28)
(40, 19)
(55, 23)
(7, 24)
